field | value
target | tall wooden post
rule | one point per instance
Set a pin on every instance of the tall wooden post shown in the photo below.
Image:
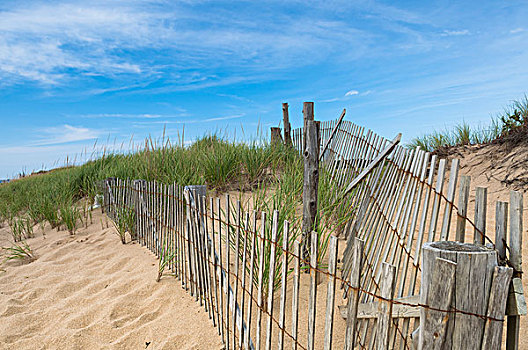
(311, 176)
(287, 125)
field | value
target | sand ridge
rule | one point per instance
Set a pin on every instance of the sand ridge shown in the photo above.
(89, 291)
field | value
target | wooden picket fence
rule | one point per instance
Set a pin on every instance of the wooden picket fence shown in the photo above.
(246, 268)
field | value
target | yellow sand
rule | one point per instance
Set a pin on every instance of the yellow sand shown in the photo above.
(89, 291)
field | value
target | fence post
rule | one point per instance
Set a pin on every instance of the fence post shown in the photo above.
(516, 303)
(473, 276)
(276, 137)
(311, 177)
(287, 125)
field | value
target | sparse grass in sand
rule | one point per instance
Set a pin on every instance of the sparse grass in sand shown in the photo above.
(70, 216)
(512, 119)
(21, 228)
(166, 257)
(125, 222)
(19, 251)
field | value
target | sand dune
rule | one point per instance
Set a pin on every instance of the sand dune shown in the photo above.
(88, 291)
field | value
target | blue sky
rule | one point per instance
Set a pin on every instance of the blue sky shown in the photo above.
(75, 72)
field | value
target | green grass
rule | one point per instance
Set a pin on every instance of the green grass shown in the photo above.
(511, 119)
(125, 222)
(274, 174)
(19, 251)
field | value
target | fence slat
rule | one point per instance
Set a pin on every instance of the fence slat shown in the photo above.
(440, 284)
(354, 294)
(295, 292)
(463, 199)
(385, 307)
(330, 292)
(481, 198)
(516, 232)
(251, 280)
(496, 306)
(284, 275)
(271, 276)
(261, 279)
(313, 290)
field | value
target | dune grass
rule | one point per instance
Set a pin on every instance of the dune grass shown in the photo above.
(274, 174)
(19, 251)
(511, 119)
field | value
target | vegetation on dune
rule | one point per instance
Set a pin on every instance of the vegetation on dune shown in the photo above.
(274, 174)
(512, 121)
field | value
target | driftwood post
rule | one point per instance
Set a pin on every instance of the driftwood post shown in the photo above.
(287, 125)
(311, 177)
(474, 270)
(276, 137)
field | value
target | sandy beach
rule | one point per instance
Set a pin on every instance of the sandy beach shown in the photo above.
(89, 291)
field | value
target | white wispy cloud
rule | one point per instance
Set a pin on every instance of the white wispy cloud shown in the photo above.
(455, 32)
(175, 42)
(65, 134)
(352, 93)
(517, 30)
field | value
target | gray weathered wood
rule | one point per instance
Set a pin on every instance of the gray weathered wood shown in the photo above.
(287, 125)
(450, 198)
(433, 323)
(501, 227)
(251, 279)
(331, 137)
(284, 275)
(373, 164)
(354, 293)
(516, 302)
(330, 292)
(260, 279)
(385, 306)
(312, 298)
(463, 199)
(481, 199)
(227, 266)
(276, 137)
(474, 271)
(310, 178)
(295, 292)
(496, 307)
(271, 276)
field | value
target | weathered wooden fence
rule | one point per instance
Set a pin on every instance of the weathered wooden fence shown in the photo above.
(246, 268)
(405, 198)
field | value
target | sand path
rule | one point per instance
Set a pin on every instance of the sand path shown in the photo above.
(88, 291)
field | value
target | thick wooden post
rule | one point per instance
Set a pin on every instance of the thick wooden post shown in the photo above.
(287, 125)
(473, 276)
(276, 137)
(311, 177)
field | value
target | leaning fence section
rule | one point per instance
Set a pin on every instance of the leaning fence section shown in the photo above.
(403, 199)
